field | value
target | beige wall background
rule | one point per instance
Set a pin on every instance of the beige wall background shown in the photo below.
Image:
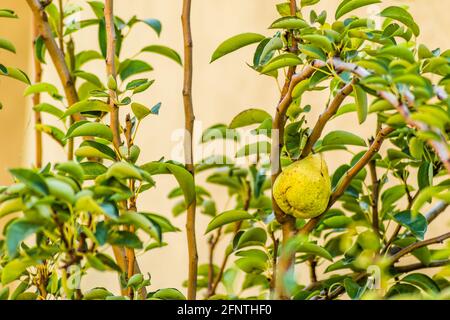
(221, 90)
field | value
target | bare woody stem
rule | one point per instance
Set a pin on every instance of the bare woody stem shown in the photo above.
(36, 101)
(419, 265)
(57, 56)
(340, 189)
(111, 70)
(188, 145)
(418, 245)
(325, 117)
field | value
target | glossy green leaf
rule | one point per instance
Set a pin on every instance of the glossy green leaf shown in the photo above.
(343, 138)
(249, 117)
(289, 23)
(361, 103)
(16, 232)
(281, 61)
(235, 43)
(87, 106)
(7, 45)
(226, 218)
(347, 6)
(164, 51)
(417, 224)
(403, 16)
(32, 179)
(91, 129)
(129, 68)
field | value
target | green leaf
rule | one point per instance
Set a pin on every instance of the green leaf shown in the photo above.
(123, 170)
(16, 74)
(88, 148)
(314, 249)
(53, 132)
(343, 138)
(423, 281)
(417, 224)
(141, 222)
(350, 5)
(125, 239)
(50, 109)
(92, 170)
(183, 177)
(60, 190)
(281, 61)
(312, 51)
(6, 13)
(18, 231)
(252, 237)
(97, 294)
(353, 290)
(87, 106)
(85, 56)
(7, 45)
(164, 51)
(289, 23)
(249, 117)
(11, 206)
(403, 16)
(33, 180)
(91, 129)
(398, 51)
(14, 269)
(235, 43)
(226, 218)
(260, 147)
(140, 111)
(168, 294)
(361, 103)
(130, 68)
(40, 88)
(89, 77)
(320, 41)
(337, 222)
(155, 24)
(71, 168)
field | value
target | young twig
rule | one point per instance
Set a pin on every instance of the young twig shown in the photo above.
(37, 100)
(325, 117)
(419, 265)
(418, 245)
(41, 21)
(340, 189)
(188, 145)
(111, 71)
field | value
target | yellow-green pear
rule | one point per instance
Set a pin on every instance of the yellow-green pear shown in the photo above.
(303, 188)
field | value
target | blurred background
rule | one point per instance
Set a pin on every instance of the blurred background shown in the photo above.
(221, 90)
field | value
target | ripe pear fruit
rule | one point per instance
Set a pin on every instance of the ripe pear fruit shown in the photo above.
(303, 189)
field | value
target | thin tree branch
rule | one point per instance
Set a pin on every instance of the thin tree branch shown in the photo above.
(434, 212)
(61, 26)
(419, 265)
(325, 117)
(41, 21)
(375, 195)
(188, 145)
(111, 71)
(37, 100)
(340, 189)
(418, 245)
(440, 147)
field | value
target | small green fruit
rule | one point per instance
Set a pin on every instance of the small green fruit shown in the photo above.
(303, 189)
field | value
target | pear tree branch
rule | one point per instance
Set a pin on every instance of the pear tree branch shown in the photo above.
(351, 173)
(37, 100)
(325, 117)
(57, 56)
(188, 145)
